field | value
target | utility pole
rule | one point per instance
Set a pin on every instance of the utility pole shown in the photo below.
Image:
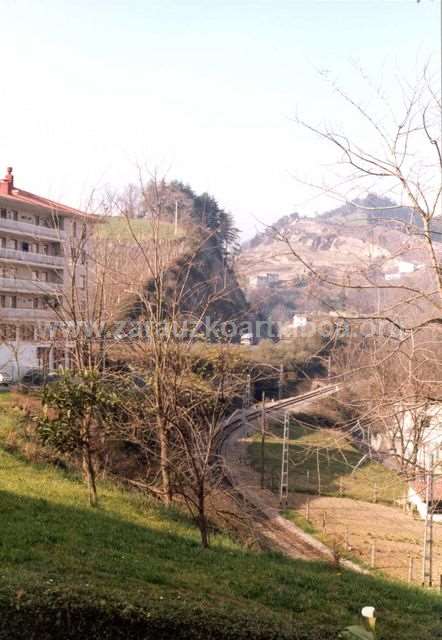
(280, 381)
(427, 565)
(263, 438)
(318, 472)
(176, 218)
(248, 390)
(284, 488)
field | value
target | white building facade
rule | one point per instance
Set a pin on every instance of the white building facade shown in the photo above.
(37, 237)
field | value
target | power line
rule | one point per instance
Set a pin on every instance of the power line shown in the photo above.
(427, 565)
(284, 487)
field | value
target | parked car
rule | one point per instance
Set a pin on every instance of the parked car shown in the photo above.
(34, 377)
(5, 379)
(38, 377)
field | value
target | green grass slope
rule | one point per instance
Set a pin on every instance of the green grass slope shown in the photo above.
(132, 570)
(338, 458)
(119, 228)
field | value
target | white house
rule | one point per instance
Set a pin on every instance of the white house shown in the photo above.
(247, 339)
(418, 438)
(399, 268)
(417, 496)
(392, 276)
(299, 321)
(263, 280)
(406, 267)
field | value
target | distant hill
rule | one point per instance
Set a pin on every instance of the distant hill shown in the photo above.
(370, 235)
(372, 210)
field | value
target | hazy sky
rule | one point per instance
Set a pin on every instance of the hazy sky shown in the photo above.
(203, 90)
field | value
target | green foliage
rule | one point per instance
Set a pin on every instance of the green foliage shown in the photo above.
(134, 570)
(71, 402)
(207, 213)
(337, 457)
(356, 633)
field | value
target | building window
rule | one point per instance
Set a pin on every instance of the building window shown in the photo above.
(27, 332)
(436, 507)
(25, 246)
(3, 213)
(43, 358)
(8, 272)
(59, 359)
(13, 302)
(35, 303)
(7, 332)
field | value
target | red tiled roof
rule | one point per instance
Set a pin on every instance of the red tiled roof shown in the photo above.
(18, 196)
(419, 485)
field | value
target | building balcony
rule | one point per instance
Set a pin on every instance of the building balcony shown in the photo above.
(20, 285)
(32, 230)
(13, 255)
(11, 315)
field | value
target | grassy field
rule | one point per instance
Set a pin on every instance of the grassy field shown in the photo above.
(131, 569)
(337, 459)
(119, 228)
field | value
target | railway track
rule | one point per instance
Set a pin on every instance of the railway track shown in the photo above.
(278, 531)
(236, 419)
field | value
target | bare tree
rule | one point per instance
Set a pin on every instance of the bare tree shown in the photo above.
(402, 155)
(391, 351)
(169, 287)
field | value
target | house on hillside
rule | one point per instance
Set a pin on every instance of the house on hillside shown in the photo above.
(417, 496)
(415, 438)
(392, 276)
(400, 268)
(299, 321)
(264, 280)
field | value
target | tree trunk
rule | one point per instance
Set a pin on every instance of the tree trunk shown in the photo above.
(89, 472)
(203, 524)
(164, 462)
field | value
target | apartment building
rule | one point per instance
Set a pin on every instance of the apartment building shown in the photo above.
(38, 238)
